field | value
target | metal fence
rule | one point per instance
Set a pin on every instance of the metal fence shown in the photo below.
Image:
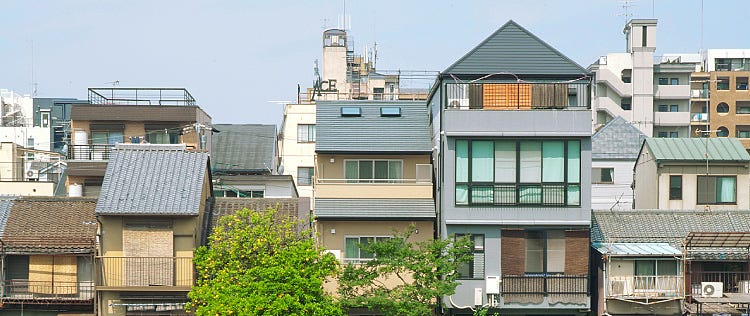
(144, 271)
(23, 290)
(545, 284)
(651, 286)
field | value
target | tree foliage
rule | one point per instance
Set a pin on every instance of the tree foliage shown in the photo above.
(258, 263)
(404, 278)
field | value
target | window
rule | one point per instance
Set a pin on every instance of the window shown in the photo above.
(240, 193)
(722, 83)
(674, 135)
(626, 104)
(674, 108)
(474, 269)
(722, 132)
(743, 133)
(390, 111)
(165, 136)
(305, 133)
(647, 271)
(717, 189)
(514, 172)
(662, 135)
(663, 108)
(377, 93)
(45, 119)
(722, 108)
(353, 252)
(741, 83)
(644, 33)
(351, 111)
(30, 145)
(602, 175)
(545, 252)
(305, 175)
(106, 137)
(663, 81)
(674, 81)
(373, 171)
(743, 110)
(675, 187)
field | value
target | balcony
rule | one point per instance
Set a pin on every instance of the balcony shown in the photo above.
(699, 117)
(144, 273)
(699, 93)
(516, 96)
(734, 282)
(646, 287)
(524, 289)
(519, 194)
(18, 291)
(97, 152)
(668, 92)
(374, 188)
(672, 118)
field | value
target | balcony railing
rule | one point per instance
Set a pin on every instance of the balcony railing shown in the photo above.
(144, 271)
(733, 281)
(662, 286)
(44, 292)
(99, 152)
(374, 181)
(508, 194)
(534, 288)
(516, 96)
(699, 93)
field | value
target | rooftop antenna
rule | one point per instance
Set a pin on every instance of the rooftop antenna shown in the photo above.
(34, 85)
(626, 5)
(325, 23)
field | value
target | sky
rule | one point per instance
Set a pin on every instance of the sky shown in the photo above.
(238, 58)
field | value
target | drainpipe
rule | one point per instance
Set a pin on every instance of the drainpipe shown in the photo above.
(2, 268)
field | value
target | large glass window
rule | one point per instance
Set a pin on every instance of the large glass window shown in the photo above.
(545, 251)
(305, 133)
(518, 172)
(373, 171)
(474, 269)
(717, 190)
(353, 252)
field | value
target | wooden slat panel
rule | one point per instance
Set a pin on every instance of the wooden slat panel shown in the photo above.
(147, 242)
(65, 274)
(40, 274)
(502, 96)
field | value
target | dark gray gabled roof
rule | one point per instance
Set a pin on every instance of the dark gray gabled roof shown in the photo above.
(371, 132)
(148, 181)
(243, 147)
(617, 140)
(375, 208)
(513, 49)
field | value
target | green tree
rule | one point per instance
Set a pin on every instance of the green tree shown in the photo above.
(404, 278)
(260, 263)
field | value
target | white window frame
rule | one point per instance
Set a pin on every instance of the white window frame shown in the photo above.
(359, 259)
(373, 180)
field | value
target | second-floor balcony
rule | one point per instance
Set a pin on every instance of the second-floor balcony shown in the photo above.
(145, 273)
(671, 118)
(516, 96)
(518, 194)
(524, 289)
(373, 188)
(646, 287)
(699, 93)
(699, 117)
(669, 92)
(23, 291)
(733, 281)
(97, 152)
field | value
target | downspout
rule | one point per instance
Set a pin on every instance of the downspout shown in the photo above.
(2, 269)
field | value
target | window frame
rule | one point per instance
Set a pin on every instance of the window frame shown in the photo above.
(359, 259)
(673, 189)
(674, 81)
(310, 132)
(544, 235)
(598, 180)
(475, 250)
(674, 108)
(359, 178)
(310, 176)
(715, 177)
(385, 111)
(663, 81)
(351, 111)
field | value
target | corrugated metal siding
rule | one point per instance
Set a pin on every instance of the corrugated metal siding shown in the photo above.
(371, 132)
(682, 149)
(134, 113)
(515, 50)
(374, 208)
(637, 249)
(153, 182)
(243, 147)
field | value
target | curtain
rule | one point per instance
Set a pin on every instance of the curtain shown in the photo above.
(381, 169)
(531, 161)
(574, 161)
(555, 251)
(462, 161)
(505, 161)
(482, 155)
(351, 170)
(553, 161)
(462, 194)
(365, 169)
(725, 189)
(351, 251)
(395, 170)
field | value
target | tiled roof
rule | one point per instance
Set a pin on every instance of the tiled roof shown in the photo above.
(372, 132)
(227, 206)
(513, 49)
(617, 140)
(153, 182)
(244, 147)
(50, 225)
(687, 149)
(6, 202)
(665, 226)
(375, 208)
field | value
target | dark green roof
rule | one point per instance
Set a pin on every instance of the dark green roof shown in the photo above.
(243, 148)
(513, 49)
(694, 149)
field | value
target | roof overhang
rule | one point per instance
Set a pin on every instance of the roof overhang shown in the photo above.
(717, 240)
(637, 249)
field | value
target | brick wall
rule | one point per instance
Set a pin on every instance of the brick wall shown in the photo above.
(512, 252)
(577, 252)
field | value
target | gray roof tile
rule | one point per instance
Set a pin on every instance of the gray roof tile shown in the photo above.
(513, 49)
(617, 140)
(153, 182)
(6, 202)
(372, 132)
(243, 147)
(375, 208)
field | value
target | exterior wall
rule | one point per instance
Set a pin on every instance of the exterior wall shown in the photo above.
(646, 190)
(327, 170)
(27, 188)
(10, 163)
(690, 175)
(294, 154)
(617, 195)
(20, 136)
(136, 129)
(273, 188)
(733, 98)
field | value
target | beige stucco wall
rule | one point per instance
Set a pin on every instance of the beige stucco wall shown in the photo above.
(646, 191)
(132, 128)
(10, 168)
(294, 154)
(690, 185)
(374, 190)
(328, 170)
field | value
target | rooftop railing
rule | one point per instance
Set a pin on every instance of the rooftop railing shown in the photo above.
(517, 96)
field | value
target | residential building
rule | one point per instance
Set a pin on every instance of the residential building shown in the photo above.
(511, 120)
(48, 247)
(54, 113)
(151, 218)
(614, 149)
(294, 208)
(655, 98)
(129, 115)
(15, 179)
(648, 261)
(373, 174)
(297, 146)
(722, 95)
(692, 173)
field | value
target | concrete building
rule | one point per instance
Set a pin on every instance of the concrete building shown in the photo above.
(614, 149)
(297, 146)
(692, 173)
(655, 98)
(511, 132)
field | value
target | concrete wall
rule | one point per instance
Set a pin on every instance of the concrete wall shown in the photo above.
(10, 163)
(617, 195)
(294, 154)
(690, 175)
(646, 189)
(27, 188)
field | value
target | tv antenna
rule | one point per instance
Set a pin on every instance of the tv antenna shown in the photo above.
(626, 7)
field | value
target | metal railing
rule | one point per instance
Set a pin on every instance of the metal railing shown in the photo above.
(305, 97)
(505, 194)
(141, 96)
(144, 271)
(699, 93)
(90, 152)
(733, 281)
(374, 181)
(640, 286)
(40, 291)
(517, 96)
(545, 284)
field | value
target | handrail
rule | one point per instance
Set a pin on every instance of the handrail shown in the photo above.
(373, 181)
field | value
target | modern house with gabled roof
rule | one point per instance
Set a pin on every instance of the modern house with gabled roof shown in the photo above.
(692, 173)
(511, 129)
(614, 149)
(153, 211)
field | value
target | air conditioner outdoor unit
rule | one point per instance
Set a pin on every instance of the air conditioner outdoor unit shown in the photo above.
(32, 174)
(458, 104)
(712, 289)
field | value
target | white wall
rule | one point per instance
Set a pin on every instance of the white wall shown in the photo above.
(618, 195)
(294, 154)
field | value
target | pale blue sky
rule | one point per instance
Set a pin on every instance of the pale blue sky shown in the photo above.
(235, 56)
